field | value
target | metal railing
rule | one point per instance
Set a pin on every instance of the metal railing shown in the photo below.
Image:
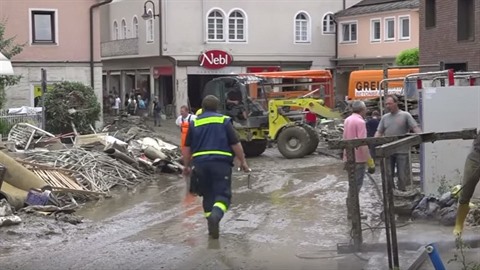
(7, 121)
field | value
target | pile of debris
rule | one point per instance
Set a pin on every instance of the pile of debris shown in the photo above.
(443, 209)
(51, 173)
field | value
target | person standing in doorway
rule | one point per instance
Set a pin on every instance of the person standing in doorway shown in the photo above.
(397, 122)
(183, 121)
(210, 146)
(157, 110)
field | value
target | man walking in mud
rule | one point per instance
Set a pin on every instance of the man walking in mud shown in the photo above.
(210, 146)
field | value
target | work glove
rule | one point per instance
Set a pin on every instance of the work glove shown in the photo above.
(371, 165)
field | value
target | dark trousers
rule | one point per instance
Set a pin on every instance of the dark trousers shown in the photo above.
(156, 118)
(401, 162)
(471, 176)
(215, 184)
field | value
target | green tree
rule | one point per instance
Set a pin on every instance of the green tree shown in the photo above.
(9, 48)
(71, 102)
(408, 57)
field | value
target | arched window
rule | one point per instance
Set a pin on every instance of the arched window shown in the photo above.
(124, 29)
(215, 26)
(328, 24)
(135, 27)
(115, 31)
(150, 27)
(236, 26)
(302, 28)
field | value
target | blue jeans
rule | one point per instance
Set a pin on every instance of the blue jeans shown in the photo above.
(401, 162)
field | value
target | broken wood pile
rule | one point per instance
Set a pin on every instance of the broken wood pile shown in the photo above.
(94, 171)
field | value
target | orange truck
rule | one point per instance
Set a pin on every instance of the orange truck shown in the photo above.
(365, 84)
(294, 84)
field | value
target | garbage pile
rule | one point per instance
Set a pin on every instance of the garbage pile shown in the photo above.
(50, 173)
(442, 209)
(330, 130)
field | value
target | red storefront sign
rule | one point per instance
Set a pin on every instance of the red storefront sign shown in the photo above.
(215, 59)
(263, 69)
(162, 71)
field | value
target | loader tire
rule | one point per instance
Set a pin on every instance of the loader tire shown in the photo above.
(314, 140)
(254, 148)
(294, 142)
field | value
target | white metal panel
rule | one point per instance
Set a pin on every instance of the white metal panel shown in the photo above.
(447, 109)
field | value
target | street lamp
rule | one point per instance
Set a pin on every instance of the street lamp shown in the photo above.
(146, 15)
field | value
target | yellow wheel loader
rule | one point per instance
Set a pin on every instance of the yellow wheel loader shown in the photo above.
(259, 120)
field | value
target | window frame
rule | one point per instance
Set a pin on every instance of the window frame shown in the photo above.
(341, 36)
(400, 28)
(227, 25)
(308, 24)
(385, 29)
(135, 27)
(54, 26)
(124, 28)
(215, 33)
(430, 14)
(115, 31)
(372, 30)
(329, 23)
(150, 28)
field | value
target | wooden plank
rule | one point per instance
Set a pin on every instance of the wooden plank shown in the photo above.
(64, 178)
(43, 166)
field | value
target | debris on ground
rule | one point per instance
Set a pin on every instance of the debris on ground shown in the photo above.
(50, 173)
(6, 214)
(473, 217)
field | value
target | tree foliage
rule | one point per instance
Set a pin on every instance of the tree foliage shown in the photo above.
(71, 102)
(408, 57)
(9, 48)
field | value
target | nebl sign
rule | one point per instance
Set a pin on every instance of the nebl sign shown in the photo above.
(215, 59)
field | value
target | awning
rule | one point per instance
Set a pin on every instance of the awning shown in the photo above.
(5, 65)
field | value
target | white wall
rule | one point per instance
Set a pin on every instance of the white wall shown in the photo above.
(447, 109)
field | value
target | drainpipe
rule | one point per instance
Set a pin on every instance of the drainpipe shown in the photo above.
(92, 73)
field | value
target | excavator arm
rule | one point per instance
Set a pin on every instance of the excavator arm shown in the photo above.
(278, 119)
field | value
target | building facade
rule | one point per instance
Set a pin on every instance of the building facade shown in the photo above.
(372, 33)
(175, 54)
(57, 36)
(450, 32)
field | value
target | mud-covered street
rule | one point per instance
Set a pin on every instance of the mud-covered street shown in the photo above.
(291, 217)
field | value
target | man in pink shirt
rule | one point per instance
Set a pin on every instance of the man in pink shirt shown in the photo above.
(355, 128)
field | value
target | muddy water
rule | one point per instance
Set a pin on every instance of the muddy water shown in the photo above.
(290, 216)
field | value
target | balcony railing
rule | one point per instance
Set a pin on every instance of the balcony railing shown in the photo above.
(119, 47)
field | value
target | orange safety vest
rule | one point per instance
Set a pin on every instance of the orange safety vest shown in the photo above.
(184, 129)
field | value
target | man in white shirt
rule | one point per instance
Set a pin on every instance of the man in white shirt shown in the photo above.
(116, 105)
(185, 116)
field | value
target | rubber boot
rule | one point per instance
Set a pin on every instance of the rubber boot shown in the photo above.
(214, 222)
(462, 212)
